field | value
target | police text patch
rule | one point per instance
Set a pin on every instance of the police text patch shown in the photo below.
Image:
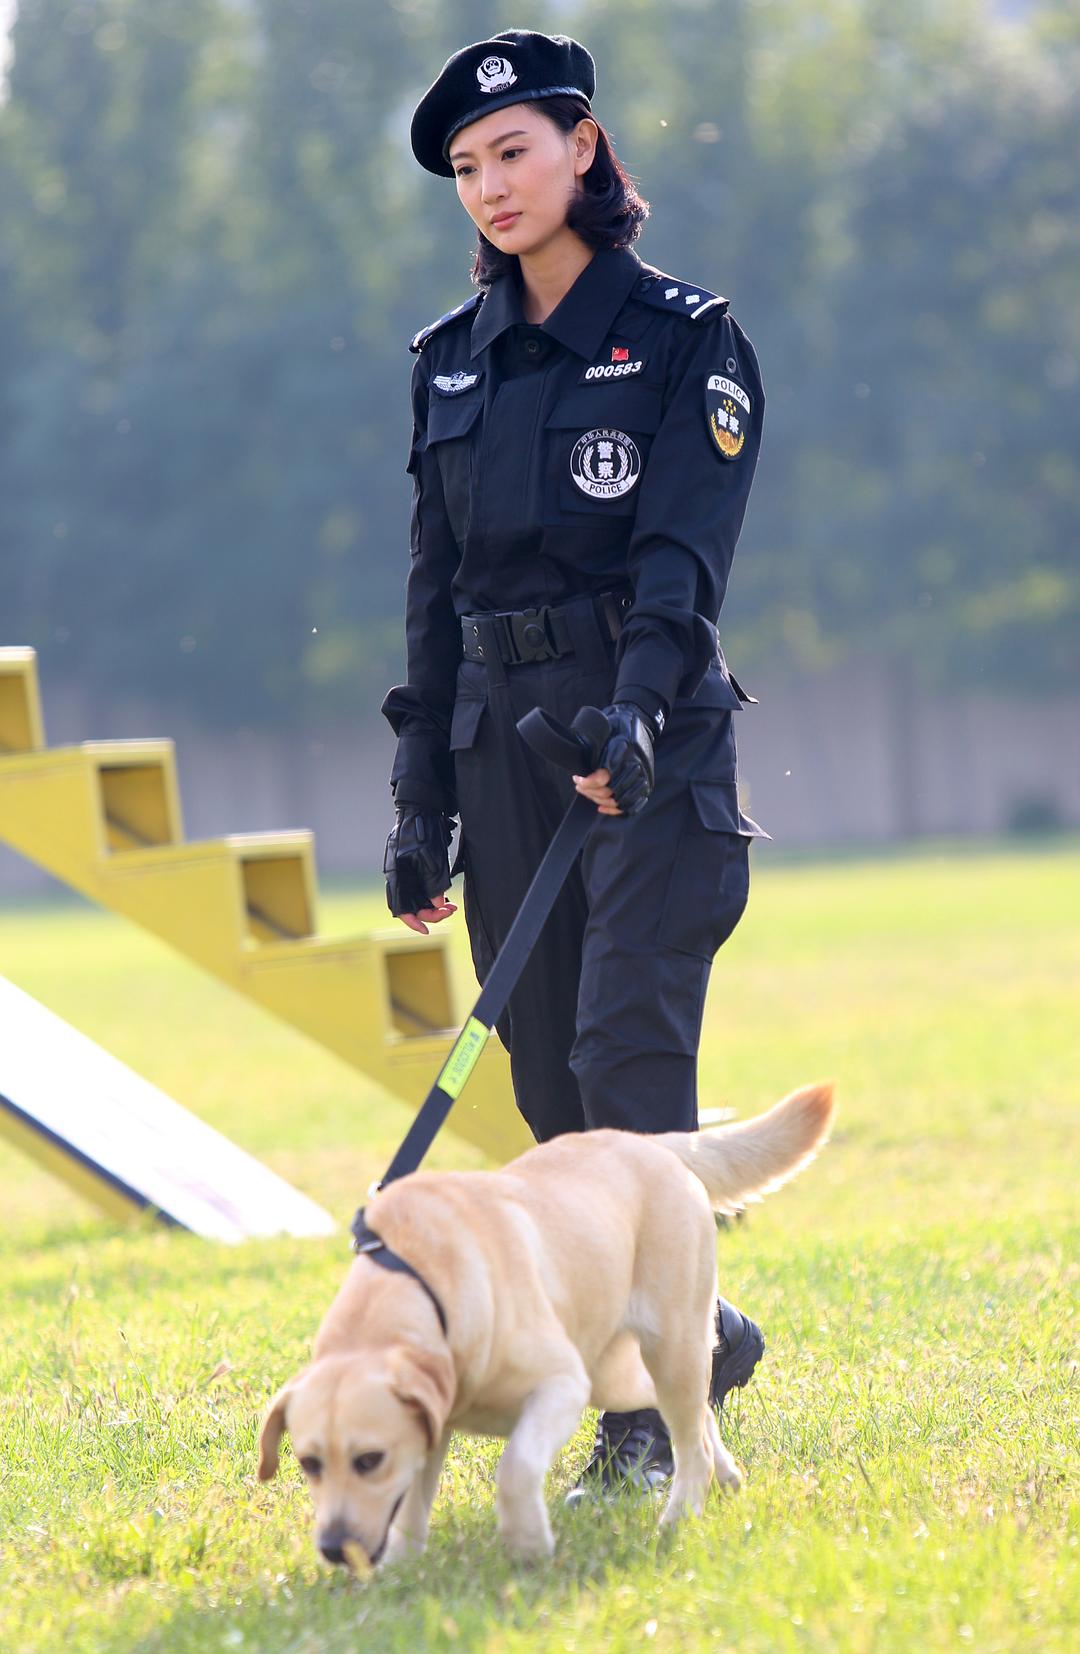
(605, 464)
(727, 409)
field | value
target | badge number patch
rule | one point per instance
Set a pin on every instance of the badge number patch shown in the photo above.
(727, 409)
(622, 369)
(605, 464)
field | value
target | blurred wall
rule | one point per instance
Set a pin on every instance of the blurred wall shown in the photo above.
(853, 756)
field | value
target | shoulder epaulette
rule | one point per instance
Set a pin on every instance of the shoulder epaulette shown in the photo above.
(470, 304)
(670, 294)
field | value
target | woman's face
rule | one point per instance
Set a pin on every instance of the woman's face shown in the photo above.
(517, 175)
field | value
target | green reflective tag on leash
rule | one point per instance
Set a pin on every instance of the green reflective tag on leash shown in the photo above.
(463, 1058)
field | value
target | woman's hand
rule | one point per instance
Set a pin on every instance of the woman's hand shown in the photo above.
(417, 868)
(440, 909)
(624, 780)
(597, 788)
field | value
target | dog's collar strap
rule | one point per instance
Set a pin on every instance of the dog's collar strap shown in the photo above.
(367, 1244)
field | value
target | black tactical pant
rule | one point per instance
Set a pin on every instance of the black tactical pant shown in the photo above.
(604, 1024)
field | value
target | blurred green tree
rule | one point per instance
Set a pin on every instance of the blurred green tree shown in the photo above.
(216, 247)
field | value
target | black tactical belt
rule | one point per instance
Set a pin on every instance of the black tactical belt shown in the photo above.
(523, 636)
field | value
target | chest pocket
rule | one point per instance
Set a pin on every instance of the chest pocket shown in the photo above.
(597, 442)
(451, 436)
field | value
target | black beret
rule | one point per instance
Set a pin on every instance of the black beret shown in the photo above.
(516, 66)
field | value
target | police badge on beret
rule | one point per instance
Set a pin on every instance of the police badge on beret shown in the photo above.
(495, 74)
(727, 409)
(516, 66)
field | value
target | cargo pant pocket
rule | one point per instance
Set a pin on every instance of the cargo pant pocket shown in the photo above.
(464, 729)
(709, 883)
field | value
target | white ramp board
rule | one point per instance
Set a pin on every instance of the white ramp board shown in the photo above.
(125, 1144)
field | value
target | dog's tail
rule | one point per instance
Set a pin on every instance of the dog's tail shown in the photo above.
(743, 1161)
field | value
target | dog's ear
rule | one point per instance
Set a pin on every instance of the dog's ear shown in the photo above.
(273, 1428)
(424, 1380)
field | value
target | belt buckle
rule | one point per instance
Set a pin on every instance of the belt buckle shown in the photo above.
(531, 636)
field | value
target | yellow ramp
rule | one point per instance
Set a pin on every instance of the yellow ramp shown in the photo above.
(105, 818)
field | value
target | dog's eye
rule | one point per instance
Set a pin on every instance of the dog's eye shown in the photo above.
(365, 1463)
(311, 1466)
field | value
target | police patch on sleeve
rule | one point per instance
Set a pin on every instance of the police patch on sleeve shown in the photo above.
(727, 409)
(605, 464)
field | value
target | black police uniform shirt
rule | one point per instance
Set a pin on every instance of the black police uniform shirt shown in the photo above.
(611, 446)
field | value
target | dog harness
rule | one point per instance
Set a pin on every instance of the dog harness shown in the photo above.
(367, 1244)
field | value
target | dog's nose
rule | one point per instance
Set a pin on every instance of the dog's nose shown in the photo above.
(332, 1542)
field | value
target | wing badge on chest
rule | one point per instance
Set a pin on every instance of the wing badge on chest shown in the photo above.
(452, 384)
(727, 409)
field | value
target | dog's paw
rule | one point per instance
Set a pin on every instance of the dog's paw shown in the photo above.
(529, 1543)
(726, 1471)
(531, 1553)
(729, 1476)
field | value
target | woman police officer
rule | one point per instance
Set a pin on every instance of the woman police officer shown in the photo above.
(585, 432)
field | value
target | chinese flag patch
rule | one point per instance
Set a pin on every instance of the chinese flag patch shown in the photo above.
(620, 353)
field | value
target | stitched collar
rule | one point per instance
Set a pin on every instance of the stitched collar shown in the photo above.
(582, 318)
(367, 1244)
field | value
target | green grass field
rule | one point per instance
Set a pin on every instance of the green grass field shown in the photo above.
(910, 1443)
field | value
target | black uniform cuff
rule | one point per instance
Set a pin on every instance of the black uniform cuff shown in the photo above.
(654, 662)
(649, 656)
(423, 772)
(421, 795)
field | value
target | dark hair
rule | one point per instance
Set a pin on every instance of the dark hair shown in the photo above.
(608, 212)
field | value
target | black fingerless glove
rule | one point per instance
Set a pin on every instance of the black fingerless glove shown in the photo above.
(628, 755)
(416, 864)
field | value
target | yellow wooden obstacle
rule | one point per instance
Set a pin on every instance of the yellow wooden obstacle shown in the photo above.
(105, 818)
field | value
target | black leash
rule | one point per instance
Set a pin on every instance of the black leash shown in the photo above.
(576, 749)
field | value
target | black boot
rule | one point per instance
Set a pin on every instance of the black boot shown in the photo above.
(631, 1455)
(739, 1347)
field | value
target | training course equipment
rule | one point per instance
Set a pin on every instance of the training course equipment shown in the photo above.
(124, 1144)
(576, 749)
(104, 817)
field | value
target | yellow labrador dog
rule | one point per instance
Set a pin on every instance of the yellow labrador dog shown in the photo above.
(582, 1273)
